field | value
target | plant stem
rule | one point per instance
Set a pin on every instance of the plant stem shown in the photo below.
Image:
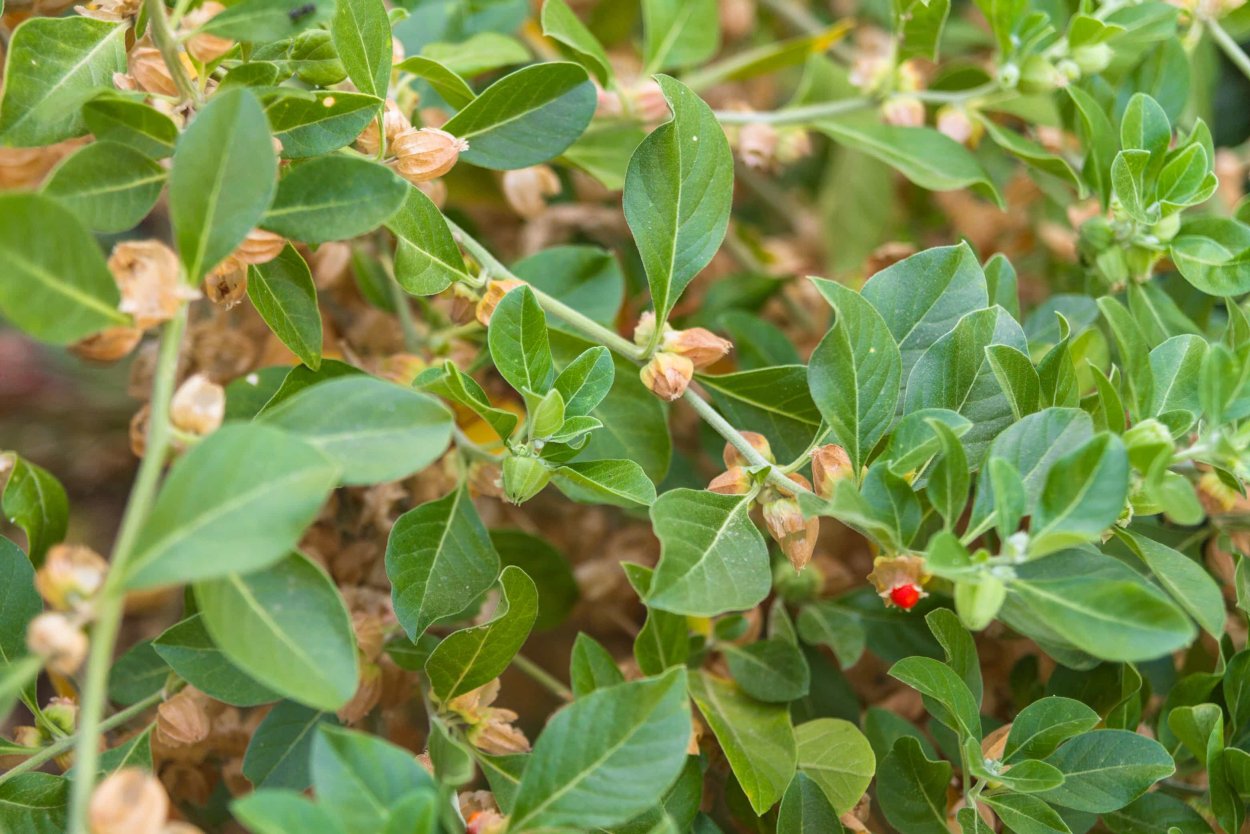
(408, 324)
(112, 594)
(722, 426)
(1229, 46)
(542, 676)
(796, 115)
(63, 744)
(167, 43)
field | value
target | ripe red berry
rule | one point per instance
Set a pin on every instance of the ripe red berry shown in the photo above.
(905, 596)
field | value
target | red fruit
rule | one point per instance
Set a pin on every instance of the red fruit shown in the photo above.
(905, 596)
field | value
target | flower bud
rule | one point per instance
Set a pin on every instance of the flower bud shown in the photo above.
(909, 76)
(648, 103)
(977, 603)
(830, 464)
(198, 406)
(182, 721)
(796, 535)
(733, 481)
(523, 478)
(62, 713)
(130, 801)
(226, 284)
(58, 641)
(608, 104)
(108, 345)
(1038, 75)
(698, 344)
(899, 580)
(757, 145)
(1092, 58)
(903, 111)
(645, 329)
(793, 144)
(426, 153)
(758, 442)
(204, 47)
(149, 277)
(667, 375)
(394, 122)
(259, 247)
(147, 67)
(495, 291)
(71, 573)
(958, 125)
(527, 188)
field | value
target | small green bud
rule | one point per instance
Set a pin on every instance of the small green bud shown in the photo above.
(977, 603)
(796, 586)
(1146, 442)
(1009, 76)
(1097, 234)
(1167, 228)
(1092, 57)
(1068, 70)
(523, 478)
(1039, 75)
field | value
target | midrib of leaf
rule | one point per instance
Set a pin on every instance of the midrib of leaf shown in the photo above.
(429, 253)
(717, 535)
(128, 186)
(106, 41)
(305, 208)
(710, 695)
(305, 730)
(284, 316)
(530, 108)
(330, 115)
(210, 205)
(1070, 507)
(1093, 613)
(670, 38)
(438, 551)
(70, 292)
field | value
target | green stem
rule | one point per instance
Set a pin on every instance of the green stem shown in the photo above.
(722, 426)
(112, 594)
(796, 115)
(165, 40)
(407, 323)
(1229, 46)
(957, 96)
(541, 676)
(62, 745)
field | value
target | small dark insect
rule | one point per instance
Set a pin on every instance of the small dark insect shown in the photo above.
(301, 11)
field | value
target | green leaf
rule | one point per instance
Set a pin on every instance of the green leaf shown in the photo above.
(282, 291)
(679, 33)
(1217, 262)
(586, 278)
(959, 648)
(911, 789)
(1177, 369)
(519, 344)
(19, 603)
(259, 21)
(677, 197)
(287, 627)
(1033, 154)
(460, 388)
(134, 752)
(606, 757)
(138, 673)
(57, 285)
(273, 811)
(621, 483)
(468, 658)
(1025, 814)
(1133, 350)
(360, 778)
(947, 697)
(592, 666)
(222, 181)
(585, 381)
(1098, 136)
(54, 65)
(1154, 812)
(1104, 770)
(479, 53)
(427, 260)
(558, 591)
(757, 738)
(948, 479)
(34, 803)
(35, 501)
(1046, 723)
(1084, 494)
(774, 401)
(1017, 377)
(806, 810)
(855, 372)
(334, 198)
(769, 670)
(362, 37)
(328, 121)
(111, 118)
(1098, 605)
(109, 186)
(526, 117)
(439, 559)
(837, 756)
(280, 752)
(1186, 580)
(194, 657)
(238, 501)
(576, 41)
(712, 557)
(928, 158)
(447, 83)
(826, 623)
(400, 433)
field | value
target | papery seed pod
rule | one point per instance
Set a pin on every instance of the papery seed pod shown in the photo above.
(329, 264)
(757, 441)
(757, 145)
(149, 71)
(797, 536)
(903, 111)
(394, 122)
(70, 575)
(426, 153)
(205, 47)
(108, 345)
(526, 189)
(495, 291)
(259, 247)
(830, 464)
(182, 720)
(198, 406)
(110, 11)
(958, 125)
(733, 481)
(667, 375)
(61, 643)
(368, 692)
(129, 801)
(700, 345)
(226, 284)
(370, 634)
(485, 479)
(523, 478)
(149, 277)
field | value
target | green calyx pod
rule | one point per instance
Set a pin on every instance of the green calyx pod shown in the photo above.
(523, 478)
(1038, 75)
(977, 603)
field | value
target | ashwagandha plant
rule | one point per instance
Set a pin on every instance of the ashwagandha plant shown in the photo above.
(936, 544)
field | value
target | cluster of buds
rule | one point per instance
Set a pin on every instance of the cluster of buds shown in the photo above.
(488, 728)
(903, 111)
(900, 580)
(680, 354)
(765, 147)
(133, 801)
